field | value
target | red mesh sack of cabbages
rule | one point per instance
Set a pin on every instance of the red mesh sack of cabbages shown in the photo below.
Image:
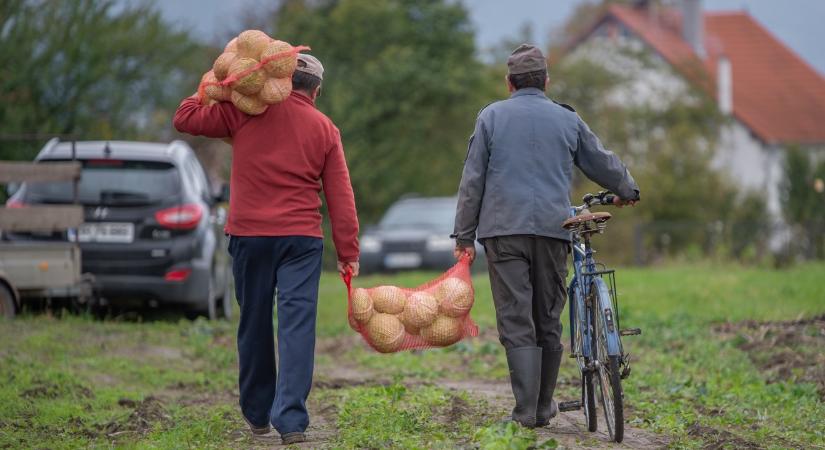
(435, 314)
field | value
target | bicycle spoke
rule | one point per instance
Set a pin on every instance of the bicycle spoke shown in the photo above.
(607, 399)
(605, 388)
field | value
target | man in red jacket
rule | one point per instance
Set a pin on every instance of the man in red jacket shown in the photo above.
(281, 159)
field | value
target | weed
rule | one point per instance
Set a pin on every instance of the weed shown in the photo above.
(509, 436)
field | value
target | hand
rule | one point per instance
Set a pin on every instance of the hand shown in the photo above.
(620, 203)
(461, 251)
(354, 266)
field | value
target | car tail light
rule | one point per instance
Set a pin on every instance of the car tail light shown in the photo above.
(12, 203)
(104, 163)
(177, 275)
(183, 217)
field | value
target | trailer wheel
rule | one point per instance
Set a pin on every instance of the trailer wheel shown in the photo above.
(7, 308)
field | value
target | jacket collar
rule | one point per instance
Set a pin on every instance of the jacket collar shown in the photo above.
(527, 91)
(302, 97)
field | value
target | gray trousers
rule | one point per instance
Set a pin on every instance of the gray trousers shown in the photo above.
(527, 277)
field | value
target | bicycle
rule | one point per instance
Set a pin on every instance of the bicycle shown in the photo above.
(595, 334)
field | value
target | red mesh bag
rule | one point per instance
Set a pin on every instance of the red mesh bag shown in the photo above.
(435, 314)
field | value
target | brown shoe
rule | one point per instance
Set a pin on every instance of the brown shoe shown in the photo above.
(293, 438)
(256, 430)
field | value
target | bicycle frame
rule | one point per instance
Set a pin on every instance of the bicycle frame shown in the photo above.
(586, 277)
(594, 322)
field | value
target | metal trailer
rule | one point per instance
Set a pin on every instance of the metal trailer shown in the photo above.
(41, 269)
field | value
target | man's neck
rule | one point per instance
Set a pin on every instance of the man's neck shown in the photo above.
(527, 91)
(306, 95)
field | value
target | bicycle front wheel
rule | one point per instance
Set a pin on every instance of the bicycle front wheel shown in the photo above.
(607, 369)
(589, 401)
(610, 391)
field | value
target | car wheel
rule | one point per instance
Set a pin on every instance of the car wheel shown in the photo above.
(227, 297)
(212, 301)
(7, 308)
(220, 306)
(210, 307)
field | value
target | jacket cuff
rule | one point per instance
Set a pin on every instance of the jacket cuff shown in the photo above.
(464, 243)
(348, 258)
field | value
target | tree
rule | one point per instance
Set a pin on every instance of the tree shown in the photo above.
(403, 85)
(803, 199)
(93, 68)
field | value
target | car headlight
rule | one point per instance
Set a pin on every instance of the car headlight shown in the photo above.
(439, 244)
(370, 244)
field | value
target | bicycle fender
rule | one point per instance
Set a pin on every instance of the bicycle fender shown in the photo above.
(577, 301)
(606, 306)
(574, 296)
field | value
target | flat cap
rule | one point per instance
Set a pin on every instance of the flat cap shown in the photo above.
(310, 64)
(526, 58)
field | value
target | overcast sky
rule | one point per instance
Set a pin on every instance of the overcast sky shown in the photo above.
(800, 24)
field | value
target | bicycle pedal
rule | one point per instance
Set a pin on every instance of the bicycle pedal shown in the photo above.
(570, 406)
(630, 331)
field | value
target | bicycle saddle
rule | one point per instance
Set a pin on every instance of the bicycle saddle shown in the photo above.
(576, 221)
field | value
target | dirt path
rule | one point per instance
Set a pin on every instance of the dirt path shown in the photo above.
(569, 428)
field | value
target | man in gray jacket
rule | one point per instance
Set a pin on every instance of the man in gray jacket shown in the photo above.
(514, 196)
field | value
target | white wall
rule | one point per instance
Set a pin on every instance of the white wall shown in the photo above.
(754, 166)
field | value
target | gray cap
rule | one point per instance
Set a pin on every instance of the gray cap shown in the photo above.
(310, 64)
(526, 58)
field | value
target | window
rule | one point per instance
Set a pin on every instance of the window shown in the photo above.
(110, 182)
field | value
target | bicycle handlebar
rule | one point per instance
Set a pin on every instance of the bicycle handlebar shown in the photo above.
(608, 199)
(602, 198)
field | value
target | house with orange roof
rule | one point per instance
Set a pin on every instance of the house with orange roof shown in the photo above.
(774, 99)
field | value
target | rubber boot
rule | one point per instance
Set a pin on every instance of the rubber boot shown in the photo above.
(525, 373)
(547, 407)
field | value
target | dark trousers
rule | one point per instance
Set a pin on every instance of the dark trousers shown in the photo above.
(292, 266)
(527, 276)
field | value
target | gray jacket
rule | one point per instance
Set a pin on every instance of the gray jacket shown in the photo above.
(519, 165)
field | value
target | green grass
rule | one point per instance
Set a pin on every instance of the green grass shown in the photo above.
(71, 383)
(77, 382)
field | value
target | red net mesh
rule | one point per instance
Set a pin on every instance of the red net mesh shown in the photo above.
(435, 314)
(237, 76)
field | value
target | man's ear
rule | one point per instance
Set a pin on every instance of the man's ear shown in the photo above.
(546, 82)
(510, 87)
(317, 92)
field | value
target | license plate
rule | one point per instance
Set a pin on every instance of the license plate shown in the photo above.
(106, 232)
(402, 260)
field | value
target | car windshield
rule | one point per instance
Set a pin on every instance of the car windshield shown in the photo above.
(111, 182)
(430, 214)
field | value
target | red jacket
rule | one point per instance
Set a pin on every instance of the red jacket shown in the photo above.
(280, 159)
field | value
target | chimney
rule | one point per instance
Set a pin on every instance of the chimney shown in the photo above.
(724, 85)
(693, 26)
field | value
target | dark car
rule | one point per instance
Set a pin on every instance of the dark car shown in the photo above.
(413, 234)
(153, 224)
